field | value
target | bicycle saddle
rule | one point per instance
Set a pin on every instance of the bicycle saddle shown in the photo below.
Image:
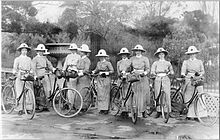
(12, 78)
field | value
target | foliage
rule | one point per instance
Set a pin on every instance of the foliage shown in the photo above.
(178, 42)
(15, 15)
(72, 29)
(154, 8)
(201, 22)
(154, 27)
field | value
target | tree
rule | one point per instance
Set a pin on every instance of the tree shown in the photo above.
(15, 15)
(201, 22)
(178, 42)
(97, 20)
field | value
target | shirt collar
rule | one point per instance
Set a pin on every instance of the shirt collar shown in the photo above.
(23, 55)
(103, 60)
(192, 59)
(125, 58)
(138, 56)
(161, 59)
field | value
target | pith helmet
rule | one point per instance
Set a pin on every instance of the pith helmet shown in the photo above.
(138, 48)
(40, 47)
(123, 51)
(84, 48)
(102, 52)
(192, 50)
(46, 52)
(73, 46)
(23, 45)
(159, 50)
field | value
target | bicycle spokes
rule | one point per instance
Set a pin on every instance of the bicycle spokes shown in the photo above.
(67, 102)
(8, 99)
(29, 103)
(206, 108)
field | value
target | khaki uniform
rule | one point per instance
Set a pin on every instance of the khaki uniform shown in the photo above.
(162, 67)
(71, 64)
(141, 88)
(21, 64)
(83, 81)
(103, 85)
(123, 65)
(40, 63)
(189, 68)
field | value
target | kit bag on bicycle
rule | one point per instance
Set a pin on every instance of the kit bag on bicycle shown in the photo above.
(27, 77)
(197, 80)
(133, 77)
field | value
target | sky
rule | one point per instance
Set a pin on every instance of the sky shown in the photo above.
(50, 10)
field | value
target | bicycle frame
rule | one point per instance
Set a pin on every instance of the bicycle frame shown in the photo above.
(128, 94)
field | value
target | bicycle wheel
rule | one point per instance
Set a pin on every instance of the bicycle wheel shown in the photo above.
(29, 103)
(8, 99)
(67, 102)
(176, 98)
(87, 98)
(206, 109)
(115, 101)
(164, 107)
(134, 109)
(150, 108)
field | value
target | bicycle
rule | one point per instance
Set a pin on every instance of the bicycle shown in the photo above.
(42, 102)
(90, 93)
(10, 101)
(67, 102)
(119, 101)
(160, 101)
(203, 103)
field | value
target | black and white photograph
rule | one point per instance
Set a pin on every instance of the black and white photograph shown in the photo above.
(108, 69)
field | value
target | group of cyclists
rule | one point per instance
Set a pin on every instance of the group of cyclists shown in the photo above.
(78, 62)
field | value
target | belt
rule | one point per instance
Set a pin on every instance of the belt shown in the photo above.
(138, 70)
(161, 74)
(42, 68)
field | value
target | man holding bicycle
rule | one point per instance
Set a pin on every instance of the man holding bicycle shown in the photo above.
(190, 68)
(40, 65)
(22, 66)
(161, 69)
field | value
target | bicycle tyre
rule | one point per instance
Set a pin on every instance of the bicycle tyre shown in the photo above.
(87, 98)
(8, 99)
(29, 103)
(134, 109)
(65, 108)
(176, 98)
(164, 107)
(208, 104)
(115, 101)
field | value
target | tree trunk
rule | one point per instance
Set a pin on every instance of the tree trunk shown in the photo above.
(95, 47)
